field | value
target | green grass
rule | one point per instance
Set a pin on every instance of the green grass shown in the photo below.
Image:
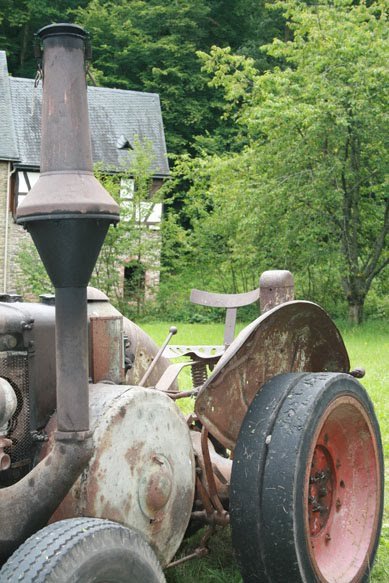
(368, 347)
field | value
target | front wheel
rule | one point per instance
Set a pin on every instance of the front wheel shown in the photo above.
(83, 550)
(307, 482)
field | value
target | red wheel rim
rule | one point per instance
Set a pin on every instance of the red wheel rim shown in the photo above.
(342, 493)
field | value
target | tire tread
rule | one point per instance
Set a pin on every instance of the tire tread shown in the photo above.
(38, 559)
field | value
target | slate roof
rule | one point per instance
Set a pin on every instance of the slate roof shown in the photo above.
(116, 116)
(8, 149)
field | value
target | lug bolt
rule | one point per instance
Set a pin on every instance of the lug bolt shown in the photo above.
(338, 504)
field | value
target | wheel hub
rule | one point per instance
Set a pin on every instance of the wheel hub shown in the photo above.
(321, 487)
(342, 492)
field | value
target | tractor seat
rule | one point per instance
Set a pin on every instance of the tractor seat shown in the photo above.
(207, 356)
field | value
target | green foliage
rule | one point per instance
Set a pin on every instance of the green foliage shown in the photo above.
(377, 302)
(218, 567)
(32, 280)
(308, 189)
(150, 46)
(20, 19)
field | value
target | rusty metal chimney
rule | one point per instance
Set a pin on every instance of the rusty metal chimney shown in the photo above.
(68, 213)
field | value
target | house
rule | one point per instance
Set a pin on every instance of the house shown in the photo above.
(118, 119)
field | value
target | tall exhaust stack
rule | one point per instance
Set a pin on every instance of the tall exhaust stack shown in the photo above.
(68, 213)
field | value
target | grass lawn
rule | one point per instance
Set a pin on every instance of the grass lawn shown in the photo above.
(368, 346)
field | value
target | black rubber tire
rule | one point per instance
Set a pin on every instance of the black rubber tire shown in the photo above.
(269, 476)
(83, 550)
(245, 506)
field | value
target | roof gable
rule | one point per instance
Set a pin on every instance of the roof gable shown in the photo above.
(118, 118)
(26, 113)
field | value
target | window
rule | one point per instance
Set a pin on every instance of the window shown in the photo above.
(24, 181)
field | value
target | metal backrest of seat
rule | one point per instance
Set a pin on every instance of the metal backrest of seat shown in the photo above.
(230, 302)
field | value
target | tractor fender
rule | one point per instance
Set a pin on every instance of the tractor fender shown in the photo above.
(296, 336)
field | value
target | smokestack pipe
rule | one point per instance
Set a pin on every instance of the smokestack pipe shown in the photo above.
(68, 213)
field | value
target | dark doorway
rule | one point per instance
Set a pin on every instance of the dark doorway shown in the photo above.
(134, 282)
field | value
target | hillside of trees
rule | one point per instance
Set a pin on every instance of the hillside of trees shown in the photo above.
(277, 130)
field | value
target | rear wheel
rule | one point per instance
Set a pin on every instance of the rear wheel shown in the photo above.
(307, 482)
(83, 550)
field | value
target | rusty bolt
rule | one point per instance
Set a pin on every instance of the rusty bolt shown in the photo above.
(358, 373)
(338, 504)
(155, 486)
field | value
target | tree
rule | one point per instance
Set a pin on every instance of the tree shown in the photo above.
(20, 19)
(309, 188)
(150, 45)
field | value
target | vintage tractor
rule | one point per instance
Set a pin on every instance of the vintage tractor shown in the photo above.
(101, 476)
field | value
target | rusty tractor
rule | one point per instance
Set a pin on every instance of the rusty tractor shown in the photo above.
(101, 475)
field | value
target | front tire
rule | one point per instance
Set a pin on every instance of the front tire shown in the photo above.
(307, 482)
(83, 550)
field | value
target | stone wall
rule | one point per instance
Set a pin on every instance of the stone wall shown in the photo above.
(16, 235)
(153, 262)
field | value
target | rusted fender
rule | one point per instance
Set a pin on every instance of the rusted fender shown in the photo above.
(297, 336)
